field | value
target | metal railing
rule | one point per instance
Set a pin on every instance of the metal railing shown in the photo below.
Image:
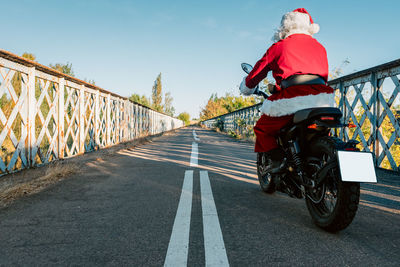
(46, 115)
(369, 98)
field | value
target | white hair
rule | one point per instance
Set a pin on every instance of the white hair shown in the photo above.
(295, 22)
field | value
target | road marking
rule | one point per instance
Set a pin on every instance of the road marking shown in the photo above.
(381, 195)
(195, 136)
(177, 253)
(214, 246)
(194, 157)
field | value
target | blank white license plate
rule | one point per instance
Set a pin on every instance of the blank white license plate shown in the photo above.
(356, 166)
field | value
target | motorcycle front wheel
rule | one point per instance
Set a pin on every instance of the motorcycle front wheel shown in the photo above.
(334, 204)
(265, 178)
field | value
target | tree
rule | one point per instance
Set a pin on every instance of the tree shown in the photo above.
(64, 68)
(184, 116)
(90, 81)
(156, 102)
(168, 108)
(213, 108)
(220, 105)
(156, 95)
(337, 71)
(140, 99)
(29, 56)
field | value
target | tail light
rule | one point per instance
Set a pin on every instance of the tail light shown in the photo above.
(312, 126)
(327, 118)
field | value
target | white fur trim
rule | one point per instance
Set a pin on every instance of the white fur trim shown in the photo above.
(295, 22)
(314, 28)
(296, 31)
(244, 89)
(287, 106)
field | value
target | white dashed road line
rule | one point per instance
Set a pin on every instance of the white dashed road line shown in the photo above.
(178, 247)
(195, 136)
(194, 157)
(214, 246)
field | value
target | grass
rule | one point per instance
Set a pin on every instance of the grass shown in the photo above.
(55, 172)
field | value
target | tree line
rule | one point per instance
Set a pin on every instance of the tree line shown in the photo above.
(156, 102)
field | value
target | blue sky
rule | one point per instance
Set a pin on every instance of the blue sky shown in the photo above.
(196, 45)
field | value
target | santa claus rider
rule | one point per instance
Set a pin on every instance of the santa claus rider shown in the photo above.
(299, 65)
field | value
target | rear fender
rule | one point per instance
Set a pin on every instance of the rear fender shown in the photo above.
(339, 145)
(322, 173)
(350, 145)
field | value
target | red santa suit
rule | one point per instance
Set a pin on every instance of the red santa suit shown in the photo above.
(296, 54)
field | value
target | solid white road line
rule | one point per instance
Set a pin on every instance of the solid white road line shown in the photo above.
(213, 241)
(194, 157)
(178, 247)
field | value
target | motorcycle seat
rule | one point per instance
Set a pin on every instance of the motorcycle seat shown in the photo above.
(313, 113)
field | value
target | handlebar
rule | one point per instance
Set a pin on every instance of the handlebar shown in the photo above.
(260, 93)
(248, 68)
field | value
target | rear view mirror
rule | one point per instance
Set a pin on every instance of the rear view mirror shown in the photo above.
(247, 67)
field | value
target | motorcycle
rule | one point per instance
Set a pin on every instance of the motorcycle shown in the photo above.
(317, 166)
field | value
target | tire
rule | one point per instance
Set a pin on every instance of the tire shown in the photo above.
(340, 199)
(265, 179)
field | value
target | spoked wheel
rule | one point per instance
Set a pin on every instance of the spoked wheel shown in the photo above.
(334, 204)
(265, 178)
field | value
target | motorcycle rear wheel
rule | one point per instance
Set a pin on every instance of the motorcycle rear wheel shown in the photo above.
(265, 179)
(339, 203)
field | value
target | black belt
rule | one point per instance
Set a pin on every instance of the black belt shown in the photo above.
(302, 79)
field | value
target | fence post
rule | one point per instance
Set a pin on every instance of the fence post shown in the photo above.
(126, 120)
(344, 110)
(146, 121)
(137, 121)
(61, 87)
(82, 119)
(152, 129)
(377, 114)
(97, 119)
(374, 122)
(153, 122)
(135, 124)
(31, 116)
(117, 123)
(149, 121)
(140, 120)
(108, 120)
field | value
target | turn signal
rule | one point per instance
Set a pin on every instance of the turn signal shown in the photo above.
(312, 126)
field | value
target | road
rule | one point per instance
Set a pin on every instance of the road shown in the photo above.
(192, 199)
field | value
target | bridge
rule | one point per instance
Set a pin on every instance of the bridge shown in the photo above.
(188, 197)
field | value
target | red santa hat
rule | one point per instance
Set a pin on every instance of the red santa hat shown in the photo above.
(296, 21)
(304, 11)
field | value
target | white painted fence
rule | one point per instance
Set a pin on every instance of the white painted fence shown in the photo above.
(46, 115)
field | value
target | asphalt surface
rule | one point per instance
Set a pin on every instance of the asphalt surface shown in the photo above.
(121, 211)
